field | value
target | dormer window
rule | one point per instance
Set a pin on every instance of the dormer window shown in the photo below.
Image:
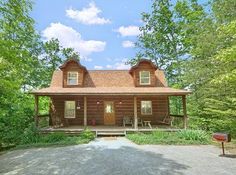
(144, 78)
(72, 78)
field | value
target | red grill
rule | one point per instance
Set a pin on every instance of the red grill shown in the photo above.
(222, 137)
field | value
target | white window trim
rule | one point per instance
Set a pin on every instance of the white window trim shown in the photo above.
(142, 110)
(77, 77)
(65, 109)
(140, 82)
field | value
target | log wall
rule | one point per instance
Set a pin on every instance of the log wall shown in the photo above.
(124, 106)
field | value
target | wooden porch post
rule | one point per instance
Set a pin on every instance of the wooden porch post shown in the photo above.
(168, 108)
(36, 110)
(135, 114)
(85, 111)
(184, 111)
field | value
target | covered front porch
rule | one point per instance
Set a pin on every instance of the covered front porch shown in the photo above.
(89, 108)
(104, 130)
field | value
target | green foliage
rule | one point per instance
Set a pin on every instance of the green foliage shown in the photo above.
(197, 48)
(26, 63)
(87, 134)
(30, 135)
(52, 138)
(53, 56)
(171, 138)
(193, 135)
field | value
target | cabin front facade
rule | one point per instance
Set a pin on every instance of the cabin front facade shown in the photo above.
(109, 97)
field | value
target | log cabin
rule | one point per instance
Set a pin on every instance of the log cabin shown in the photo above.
(109, 97)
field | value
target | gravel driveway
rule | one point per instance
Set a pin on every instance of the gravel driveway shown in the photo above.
(118, 156)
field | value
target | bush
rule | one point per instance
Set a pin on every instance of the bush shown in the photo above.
(30, 135)
(214, 125)
(177, 138)
(193, 135)
(87, 134)
(53, 138)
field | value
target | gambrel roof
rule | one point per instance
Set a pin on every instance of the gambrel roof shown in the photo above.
(110, 82)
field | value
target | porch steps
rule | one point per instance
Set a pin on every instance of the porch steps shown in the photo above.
(110, 133)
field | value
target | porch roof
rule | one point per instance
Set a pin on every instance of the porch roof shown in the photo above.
(111, 91)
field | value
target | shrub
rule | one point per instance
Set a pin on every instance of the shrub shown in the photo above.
(193, 135)
(30, 135)
(87, 134)
(53, 137)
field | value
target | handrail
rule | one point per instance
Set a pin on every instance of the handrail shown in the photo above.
(176, 115)
(44, 115)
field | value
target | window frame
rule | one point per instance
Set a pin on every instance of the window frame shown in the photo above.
(65, 115)
(141, 104)
(77, 77)
(140, 78)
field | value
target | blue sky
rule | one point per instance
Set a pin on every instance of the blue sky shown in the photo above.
(102, 31)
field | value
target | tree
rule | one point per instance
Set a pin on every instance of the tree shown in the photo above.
(159, 39)
(52, 57)
(19, 45)
(211, 69)
(26, 63)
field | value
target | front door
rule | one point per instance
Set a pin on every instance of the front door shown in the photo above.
(109, 113)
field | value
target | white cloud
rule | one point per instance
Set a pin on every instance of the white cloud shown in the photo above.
(127, 44)
(69, 37)
(109, 66)
(120, 65)
(87, 15)
(128, 31)
(98, 67)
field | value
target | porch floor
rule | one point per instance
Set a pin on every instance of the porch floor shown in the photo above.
(78, 128)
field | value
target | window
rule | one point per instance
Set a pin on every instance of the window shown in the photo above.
(69, 109)
(144, 77)
(72, 78)
(109, 108)
(146, 107)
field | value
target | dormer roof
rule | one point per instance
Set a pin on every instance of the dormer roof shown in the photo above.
(140, 62)
(63, 66)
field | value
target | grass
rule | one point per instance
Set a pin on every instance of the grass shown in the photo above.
(34, 139)
(184, 137)
(68, 140)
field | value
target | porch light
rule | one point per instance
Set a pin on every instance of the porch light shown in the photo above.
(120, 102)
(98, 102)
(78, 105)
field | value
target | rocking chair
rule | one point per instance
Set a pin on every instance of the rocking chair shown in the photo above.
(167, 120)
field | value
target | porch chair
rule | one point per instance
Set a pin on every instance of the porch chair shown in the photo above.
(127, 121)
(167, 120)
(140, 121)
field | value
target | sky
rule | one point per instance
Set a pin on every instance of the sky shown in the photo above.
(102, 31)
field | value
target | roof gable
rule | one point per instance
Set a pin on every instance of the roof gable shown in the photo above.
(73, 60)
(142, 61)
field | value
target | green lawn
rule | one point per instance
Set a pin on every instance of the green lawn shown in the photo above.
(185, 137)
(67, 140)
(34, 139)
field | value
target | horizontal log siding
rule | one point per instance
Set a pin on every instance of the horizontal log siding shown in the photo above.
(145, 67)
(72, 66)
(96, 111)
(59, 105)
(159, 108)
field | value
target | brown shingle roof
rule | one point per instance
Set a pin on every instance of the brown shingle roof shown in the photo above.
(107, 78)
(111, 91)
(100, 82)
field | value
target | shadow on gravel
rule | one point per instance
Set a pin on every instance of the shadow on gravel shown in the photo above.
(233, 156)
(89, 160)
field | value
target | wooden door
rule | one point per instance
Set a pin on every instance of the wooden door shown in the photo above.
(109, 113)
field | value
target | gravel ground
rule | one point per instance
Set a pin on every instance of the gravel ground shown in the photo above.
(118, 156)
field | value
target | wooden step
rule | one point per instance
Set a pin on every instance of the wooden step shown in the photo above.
(110, 133)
